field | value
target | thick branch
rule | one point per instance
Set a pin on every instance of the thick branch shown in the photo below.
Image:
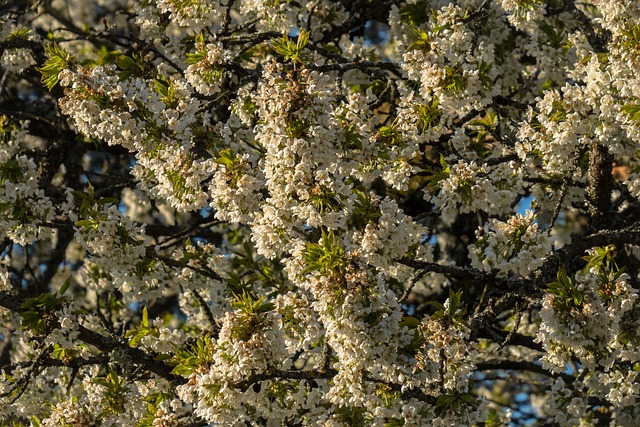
(103, 343)
(600, 185)
(329, 374)
(514, 365)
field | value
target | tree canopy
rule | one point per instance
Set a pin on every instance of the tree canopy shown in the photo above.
(319, 213)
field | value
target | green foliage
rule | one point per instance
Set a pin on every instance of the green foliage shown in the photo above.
(633, 113)
(38, 312)
(7, 127)
(19, 210)
(59, 59)
(178, 180)
(93, 216)
(20, 33)
(114, 395)
(601, 258)
(632, 37)
(365, 210)
(376, 87)
(200, 53)
(353, 416)
(417, 339)
(104, 56)
(11, 171)
(251, 306)
(87, 201)
(153, 401)
(485, 126)
(452, 313)
(558, 113)
(296, 127)
(289, 49)
(454, 80)
(464, 188)
(67, 355)
(386, 394)
(525, 6)
(326, 257)
(484, 71)
(394, 422)
(423, 40)
(167, 91)
(557, 38)
(131, 66)
(233, 165)
(493, 419)
(459, 403)
(251, 313)
(428, 115)
(239, 284)
(280, 390)
(144, 267)
(352, 137)
(416, 13)
(388, 136)
(35, 422)
(438, 175)
(193, 356)
(323, 199)
(136, 334)
(568, 296)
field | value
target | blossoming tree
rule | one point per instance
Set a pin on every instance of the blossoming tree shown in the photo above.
(319, 213)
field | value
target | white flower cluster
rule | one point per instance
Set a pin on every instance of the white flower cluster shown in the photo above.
(69, 412)
(585, 321)
(386, 238)
(106, 107)
(194, 15)
(248, 344)
(272, 157)
(516, 246)
(439, 59)
(235, 190)
(16, 60)
(447, 349)
(469, 187)
(24, 208)
(523, 14)
(206, 72)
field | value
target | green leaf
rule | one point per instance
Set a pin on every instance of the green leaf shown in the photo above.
(193, 356)
(11, 171)
(415, 13)
(409, 322)
(438, 175)
(88, 223)
(20, 33)
(633, 112)
(145, 317)
(59, 59)
(131, 66)
(428, 115)
(326, 257)
(565, 288)
(451, 313)
(65, 286)
(290, 50)
(182, 370)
